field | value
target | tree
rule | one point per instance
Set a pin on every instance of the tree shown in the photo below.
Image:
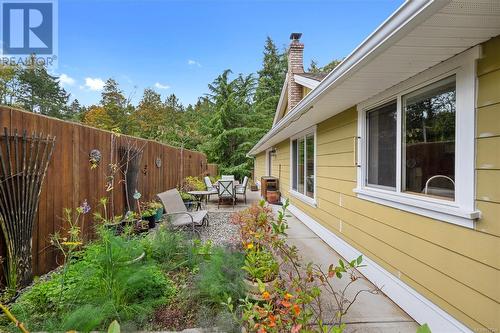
(40, 92)
(97, 116)
(74, 111)
(270, 82)
(314, 68)
(8, 81)
(117, 107)
(232, 128)
(150, 115)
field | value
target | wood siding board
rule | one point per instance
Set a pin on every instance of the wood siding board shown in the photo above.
(488, 92)
(488, 153)
(488, 185)
(488, 121)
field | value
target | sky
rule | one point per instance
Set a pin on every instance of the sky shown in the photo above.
(181, 46)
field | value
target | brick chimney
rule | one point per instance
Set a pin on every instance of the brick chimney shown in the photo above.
(295, 66)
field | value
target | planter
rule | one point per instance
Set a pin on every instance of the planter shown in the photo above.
(116, 227)
(151, 220)
(253, 291)
(159, 214)
(141, 226)
(273, 196)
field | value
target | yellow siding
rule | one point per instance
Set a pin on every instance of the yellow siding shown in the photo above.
(305, 91)
(455, 267)
(259, 166)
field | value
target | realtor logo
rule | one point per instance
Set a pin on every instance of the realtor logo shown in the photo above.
(28, 27)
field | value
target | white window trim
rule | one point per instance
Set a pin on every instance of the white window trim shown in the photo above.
(462, 210)
(302, 197)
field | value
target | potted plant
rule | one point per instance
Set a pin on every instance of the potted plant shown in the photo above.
(158, 207)
(149, 215)
(141, 226)
(262, 271)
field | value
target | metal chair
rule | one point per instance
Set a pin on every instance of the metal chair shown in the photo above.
(210, 187)
(226, 191)
(242, 188)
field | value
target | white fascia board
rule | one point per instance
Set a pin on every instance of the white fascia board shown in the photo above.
(408, 16)
(305, 81)
(281, 102)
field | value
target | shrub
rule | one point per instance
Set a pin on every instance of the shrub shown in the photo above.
(220, 277)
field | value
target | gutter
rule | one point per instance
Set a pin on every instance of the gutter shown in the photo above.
(403, 20)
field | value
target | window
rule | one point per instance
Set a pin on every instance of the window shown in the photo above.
(303, 166)
(382, 146)
(416, 143)
(429, 140)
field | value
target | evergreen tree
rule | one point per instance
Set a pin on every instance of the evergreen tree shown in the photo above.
(40, 92)
(232, 129)
(314, 68)
(117, 107)
(270, 82)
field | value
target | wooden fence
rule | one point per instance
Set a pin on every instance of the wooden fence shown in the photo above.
(70, 179)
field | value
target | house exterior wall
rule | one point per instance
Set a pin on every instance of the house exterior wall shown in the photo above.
(259, 166)
(456, 268)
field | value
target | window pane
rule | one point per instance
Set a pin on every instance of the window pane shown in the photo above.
(429, 147)
(381, 124)
(310, 166)
(300, 167)
(294, 164)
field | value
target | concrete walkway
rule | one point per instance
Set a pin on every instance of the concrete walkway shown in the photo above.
(370, 313)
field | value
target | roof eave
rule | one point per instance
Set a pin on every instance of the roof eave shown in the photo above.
(385, 34)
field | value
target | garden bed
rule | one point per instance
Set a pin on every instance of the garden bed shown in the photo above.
(161, 282)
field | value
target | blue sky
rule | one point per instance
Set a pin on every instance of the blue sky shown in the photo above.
(181, 46)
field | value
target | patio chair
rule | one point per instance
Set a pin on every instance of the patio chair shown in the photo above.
(226, 191)
(242, 188)
(210, 187)
(178, 214)
(227, 177)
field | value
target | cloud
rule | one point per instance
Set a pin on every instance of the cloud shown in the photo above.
(94, 84)
(66, 80)
(192, 62)
(161, 86)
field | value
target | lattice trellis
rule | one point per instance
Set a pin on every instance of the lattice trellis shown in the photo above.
(24, 161)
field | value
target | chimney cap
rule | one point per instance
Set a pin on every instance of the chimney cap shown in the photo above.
(295, 35)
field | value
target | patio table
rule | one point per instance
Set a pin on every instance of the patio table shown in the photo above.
(200, 195)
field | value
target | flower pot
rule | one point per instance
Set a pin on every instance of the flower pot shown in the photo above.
(254, 292)
(151, 221)
(117, 228)
(159, 214)
(141, 226)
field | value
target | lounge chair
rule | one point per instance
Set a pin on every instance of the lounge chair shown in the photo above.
(226, 191)
(178, 214)
(242, 188)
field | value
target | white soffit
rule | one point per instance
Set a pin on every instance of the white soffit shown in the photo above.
(427, 33)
